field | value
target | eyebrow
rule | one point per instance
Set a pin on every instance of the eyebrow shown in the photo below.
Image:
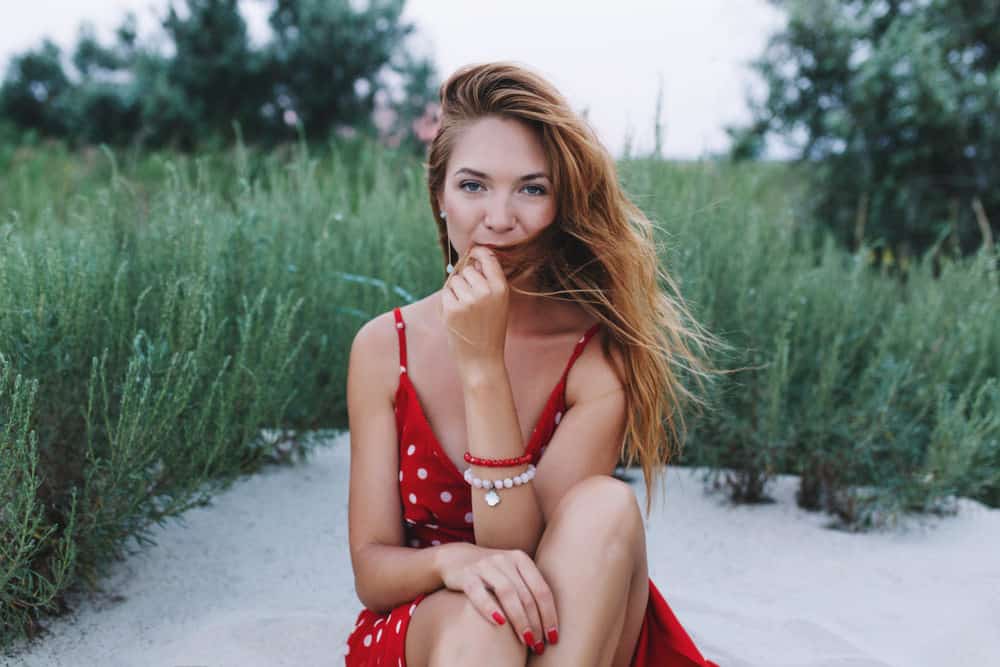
(479, 174)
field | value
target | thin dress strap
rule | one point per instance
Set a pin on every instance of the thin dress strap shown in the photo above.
(400, 329)
(578, 348)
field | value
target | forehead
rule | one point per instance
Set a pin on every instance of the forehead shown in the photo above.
(498, 146)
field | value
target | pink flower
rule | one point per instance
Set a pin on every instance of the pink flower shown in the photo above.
(427, 126)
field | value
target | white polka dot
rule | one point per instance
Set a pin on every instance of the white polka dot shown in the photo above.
(435, 543)
(468, 517)
(432, 526)
(375, 624)
(347, 649)
(558, 416)
(422, 473)
(412, 609)
(581, 338)
(402, 369)
(398, 623)
(399, 325)
(399, 662)
(400, 475)
(446, 496)
(413, 498)
(410, 450)
(378, 637)
(368, 640)
(411, 522)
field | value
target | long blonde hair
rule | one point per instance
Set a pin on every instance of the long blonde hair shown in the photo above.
(600, 252)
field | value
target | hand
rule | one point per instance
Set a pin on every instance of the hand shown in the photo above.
(474, 303)
(501, 580)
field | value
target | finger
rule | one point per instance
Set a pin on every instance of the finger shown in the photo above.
(476, 279)
(448, 298)
(484, 601)
(461, 287)
(541, 593)
(504, 589)
(490, 264)
(524, 591)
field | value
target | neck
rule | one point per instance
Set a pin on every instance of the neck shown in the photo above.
(525, 313)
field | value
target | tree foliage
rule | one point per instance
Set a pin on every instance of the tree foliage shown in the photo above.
(322, 69)
(895, 105)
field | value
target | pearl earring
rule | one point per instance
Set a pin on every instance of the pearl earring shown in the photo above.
(448, 268)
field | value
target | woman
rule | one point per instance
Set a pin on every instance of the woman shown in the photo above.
(448, 394)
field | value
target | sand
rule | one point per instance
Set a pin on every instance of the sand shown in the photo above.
(262, 576)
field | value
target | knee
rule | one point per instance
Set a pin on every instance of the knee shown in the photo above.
(602, 503)
(465, 634)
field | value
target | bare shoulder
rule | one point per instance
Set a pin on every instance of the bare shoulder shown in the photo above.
(374, 353)
(596, 372)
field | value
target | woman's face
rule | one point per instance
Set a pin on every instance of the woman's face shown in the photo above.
(486, 196)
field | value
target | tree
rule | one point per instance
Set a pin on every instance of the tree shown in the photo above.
(35, 89)
(323, 68)
(897, 102)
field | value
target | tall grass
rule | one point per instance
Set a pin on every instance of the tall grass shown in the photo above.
(881, 393)
(168, 324)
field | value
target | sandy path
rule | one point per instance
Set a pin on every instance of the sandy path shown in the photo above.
(263, 577)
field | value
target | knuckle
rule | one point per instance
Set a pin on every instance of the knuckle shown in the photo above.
(504, 590)
(545, 597)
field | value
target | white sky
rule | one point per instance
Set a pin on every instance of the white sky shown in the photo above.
(605, 57)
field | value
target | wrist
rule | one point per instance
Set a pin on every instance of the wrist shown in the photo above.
(484, 373)
(440, 554)
(444, 554)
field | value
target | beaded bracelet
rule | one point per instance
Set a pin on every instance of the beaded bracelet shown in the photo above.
(492, 497)
(497, 463)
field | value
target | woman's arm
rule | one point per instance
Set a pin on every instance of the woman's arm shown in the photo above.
(493, 431)
(386, 576)
(393, 575)
(386, 573)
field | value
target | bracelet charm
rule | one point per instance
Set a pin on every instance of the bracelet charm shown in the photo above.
(492, 497)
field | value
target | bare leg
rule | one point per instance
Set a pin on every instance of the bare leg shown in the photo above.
(447, 630)
(591, 555)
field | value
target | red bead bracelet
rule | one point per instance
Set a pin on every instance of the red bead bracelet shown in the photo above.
(497, 463)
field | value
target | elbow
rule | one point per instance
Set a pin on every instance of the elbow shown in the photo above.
(369, 598)
(362, 581)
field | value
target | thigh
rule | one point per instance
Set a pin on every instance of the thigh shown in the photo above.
(445, 621)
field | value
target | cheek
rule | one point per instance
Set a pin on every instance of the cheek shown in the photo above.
(540, 215)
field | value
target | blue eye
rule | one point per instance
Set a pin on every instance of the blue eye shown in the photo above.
(539, 188)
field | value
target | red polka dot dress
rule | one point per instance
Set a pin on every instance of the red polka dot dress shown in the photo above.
(437, 509)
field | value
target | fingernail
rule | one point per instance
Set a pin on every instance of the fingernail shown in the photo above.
(553, 636)
(539, 648)
(498, 617)
(529, 638)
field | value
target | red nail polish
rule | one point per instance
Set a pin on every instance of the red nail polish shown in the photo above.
(498, 617)
(553, 636)
(529, 638)
(539, 648)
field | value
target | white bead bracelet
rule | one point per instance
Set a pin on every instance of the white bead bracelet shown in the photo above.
(492, 497)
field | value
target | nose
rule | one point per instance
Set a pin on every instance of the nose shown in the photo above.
(499, 218)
